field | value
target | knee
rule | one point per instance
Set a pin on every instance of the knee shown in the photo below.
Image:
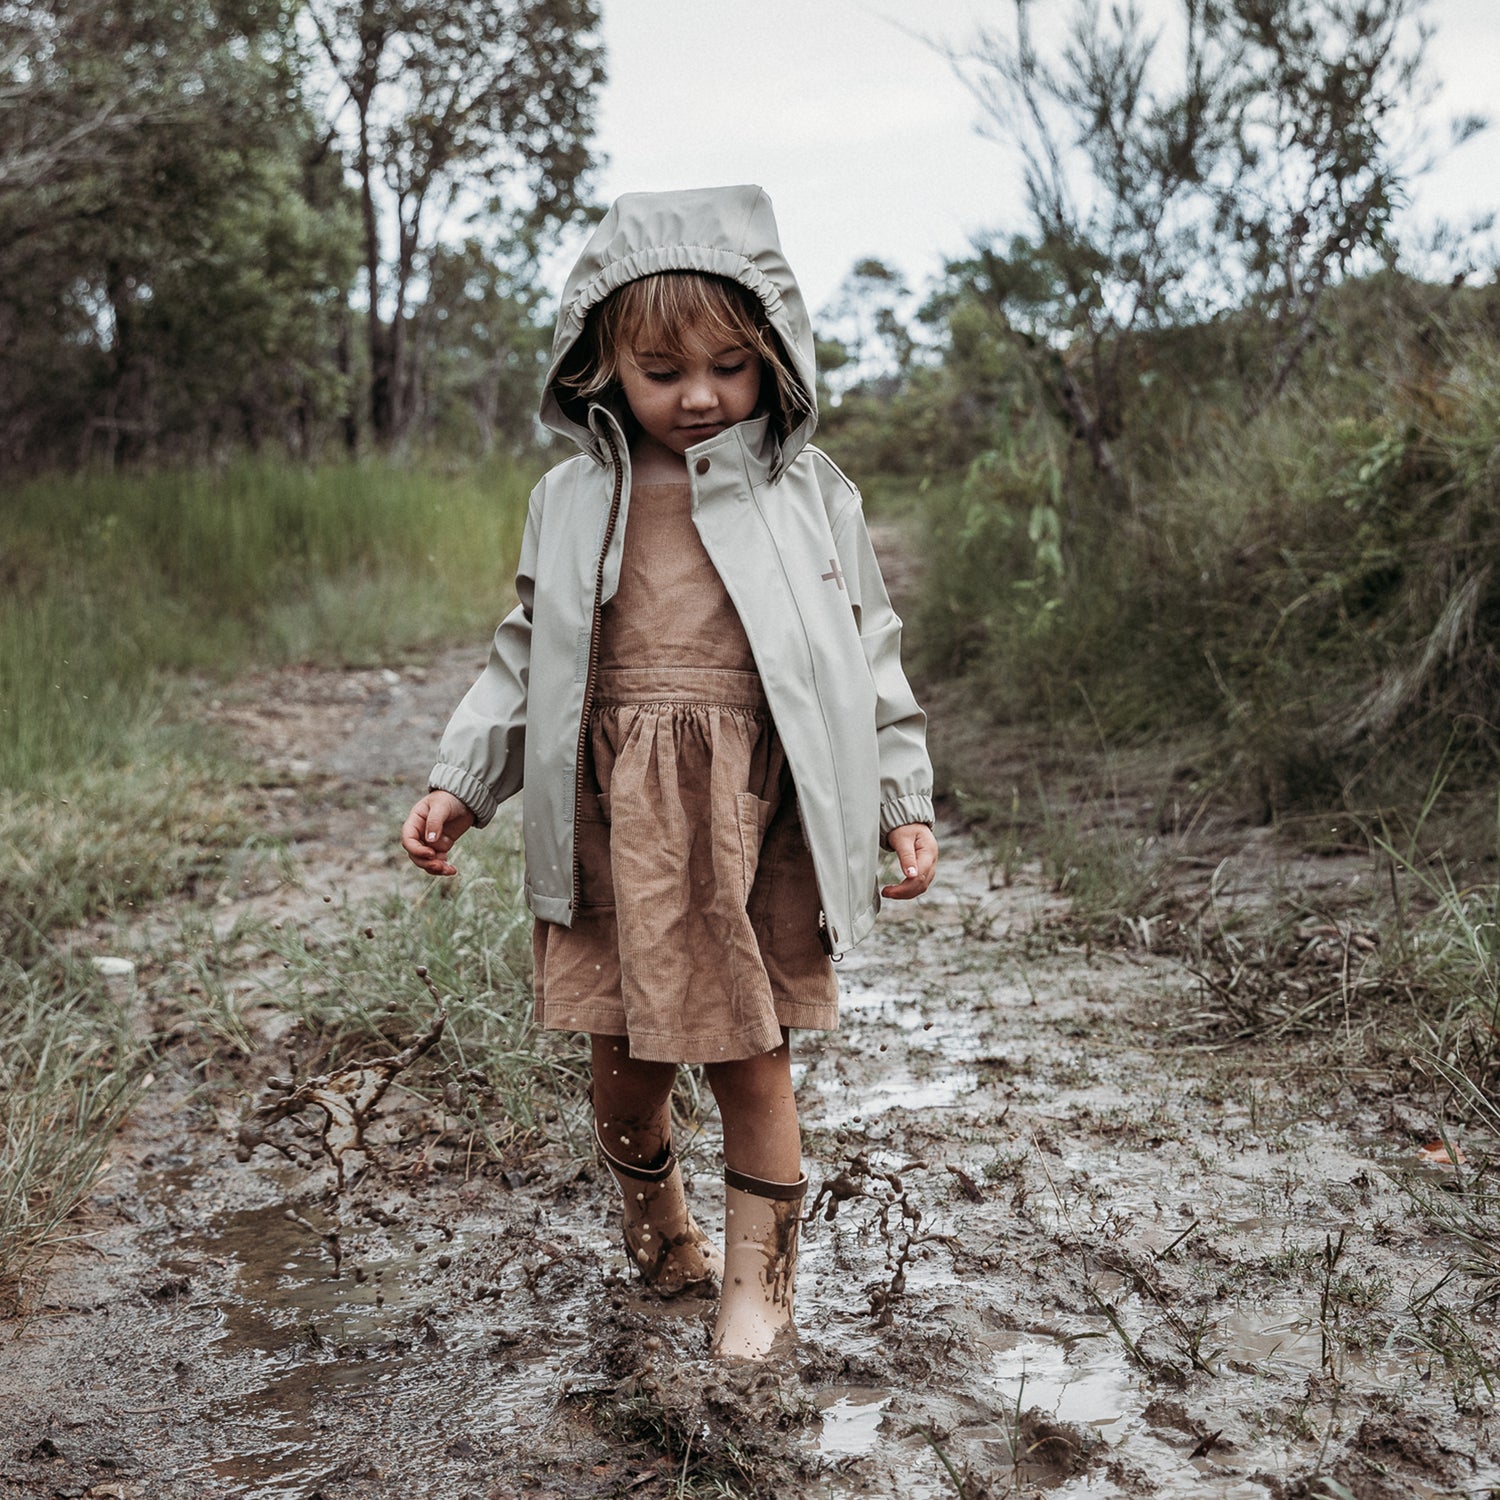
(753, 1082)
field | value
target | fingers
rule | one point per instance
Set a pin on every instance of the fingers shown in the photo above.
(431, 829)
(915, 848)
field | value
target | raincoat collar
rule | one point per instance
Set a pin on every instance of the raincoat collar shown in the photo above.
(750, 445)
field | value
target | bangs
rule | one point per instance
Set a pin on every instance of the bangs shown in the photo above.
(668, 313)
(655, 313)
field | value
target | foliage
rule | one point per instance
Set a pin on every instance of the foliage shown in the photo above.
(485, 338)
(189, 192)
(959, 392)
(1246, 168)
(437, 101)
(1315, 583)
(864, 324)
(173, 251)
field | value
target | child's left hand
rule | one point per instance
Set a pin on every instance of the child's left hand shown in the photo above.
(916, 850)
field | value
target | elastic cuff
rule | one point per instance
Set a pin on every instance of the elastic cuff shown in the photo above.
(469, 790)
(915, 807)
(758, 1187)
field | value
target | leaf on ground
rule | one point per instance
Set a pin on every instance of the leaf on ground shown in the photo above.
(1435, 1154)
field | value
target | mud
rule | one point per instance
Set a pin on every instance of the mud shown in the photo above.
(1046, 1250)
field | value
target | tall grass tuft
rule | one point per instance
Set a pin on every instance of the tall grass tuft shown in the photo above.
(1443, 942)
(69, 1070)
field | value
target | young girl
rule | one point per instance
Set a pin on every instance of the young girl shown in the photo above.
(701, 690)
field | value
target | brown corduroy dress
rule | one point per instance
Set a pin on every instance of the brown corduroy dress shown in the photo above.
(697, 930)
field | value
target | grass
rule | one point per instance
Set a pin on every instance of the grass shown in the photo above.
(1407, 963)
(113, 584)
(360, 981)
(70, 1068)
(115, 592)
(1443, 939)
(119, 587)
(120, 838)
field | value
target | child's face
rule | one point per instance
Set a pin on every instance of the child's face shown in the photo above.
(684, 399)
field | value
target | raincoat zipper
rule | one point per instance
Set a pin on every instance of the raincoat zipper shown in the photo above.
(592, 673)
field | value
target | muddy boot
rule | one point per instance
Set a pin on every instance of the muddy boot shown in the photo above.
(673, 1256)
(760, 1264)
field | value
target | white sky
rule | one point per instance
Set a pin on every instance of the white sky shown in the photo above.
(866, 140)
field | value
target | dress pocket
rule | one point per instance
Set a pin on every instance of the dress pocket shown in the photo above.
(754, 816)
(596, 885)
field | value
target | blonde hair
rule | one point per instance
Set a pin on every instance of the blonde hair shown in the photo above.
(659, 312)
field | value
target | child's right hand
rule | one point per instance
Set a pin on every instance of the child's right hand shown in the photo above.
(431, 829)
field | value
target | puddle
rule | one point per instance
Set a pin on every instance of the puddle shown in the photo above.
(1273, 1340)
(1094, 1391)
(851, 1420)
(294, 1342)
(916, 1073)
(286, 1438)
(844, 1106)
(285, 1287)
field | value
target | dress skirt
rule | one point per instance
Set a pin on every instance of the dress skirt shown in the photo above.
(696, 934)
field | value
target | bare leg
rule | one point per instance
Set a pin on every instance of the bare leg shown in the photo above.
(630, 1101)
(759, 1114)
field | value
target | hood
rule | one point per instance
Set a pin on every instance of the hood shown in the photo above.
(726, 231)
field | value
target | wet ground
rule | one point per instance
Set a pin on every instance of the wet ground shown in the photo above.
(1050, 1250)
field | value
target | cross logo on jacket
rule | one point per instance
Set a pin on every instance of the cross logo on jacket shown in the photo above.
(836, 576)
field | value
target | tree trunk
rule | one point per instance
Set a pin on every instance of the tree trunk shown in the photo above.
(344, 355)
(377, 334)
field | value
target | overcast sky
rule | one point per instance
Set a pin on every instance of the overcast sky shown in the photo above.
(866, 140)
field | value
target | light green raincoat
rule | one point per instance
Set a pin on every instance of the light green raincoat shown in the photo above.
(785, 530)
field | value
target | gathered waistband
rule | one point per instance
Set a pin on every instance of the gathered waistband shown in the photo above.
(723, 686)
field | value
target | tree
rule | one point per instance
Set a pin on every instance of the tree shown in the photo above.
(1248, 167)
(439, 102)
(483, 346)
(170, 230)
(865, 321)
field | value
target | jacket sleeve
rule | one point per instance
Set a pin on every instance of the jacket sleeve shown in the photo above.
(483, 751)
(900, 725)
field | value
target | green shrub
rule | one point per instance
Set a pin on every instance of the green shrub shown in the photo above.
(1317, 586)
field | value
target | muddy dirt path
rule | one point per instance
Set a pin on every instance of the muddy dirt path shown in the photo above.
(1050, 1254)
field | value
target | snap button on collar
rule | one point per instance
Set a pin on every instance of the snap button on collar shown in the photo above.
(702, 466)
